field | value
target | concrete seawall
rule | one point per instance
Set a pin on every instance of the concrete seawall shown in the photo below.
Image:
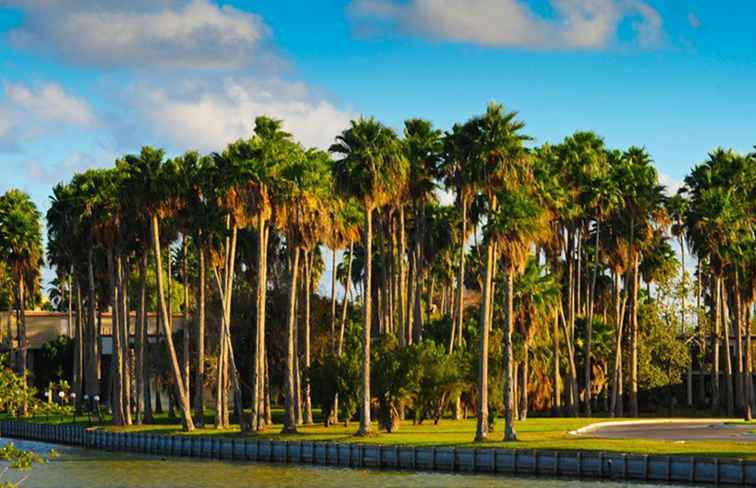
(589, 465)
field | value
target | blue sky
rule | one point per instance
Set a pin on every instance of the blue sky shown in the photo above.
(82, 82)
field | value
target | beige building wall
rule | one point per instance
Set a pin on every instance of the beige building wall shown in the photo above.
(42, 327)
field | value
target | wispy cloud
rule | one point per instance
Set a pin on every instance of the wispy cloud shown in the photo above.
(576, 24)
(30, 111)
(196, 34)
(206, 115)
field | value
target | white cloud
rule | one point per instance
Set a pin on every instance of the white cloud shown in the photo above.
(27, 112)
(49, 102)
(671, 183)
(194, 34)
(207, 115)
(576, 24)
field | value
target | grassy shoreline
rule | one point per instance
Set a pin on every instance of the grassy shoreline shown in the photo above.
(534, 433)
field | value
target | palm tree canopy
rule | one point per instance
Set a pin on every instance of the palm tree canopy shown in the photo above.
(518, 222)
(20, 234)
(371, 164)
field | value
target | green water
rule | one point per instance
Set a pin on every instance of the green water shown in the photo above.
(82, 468)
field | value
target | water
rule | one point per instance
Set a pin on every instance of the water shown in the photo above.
(83, 468)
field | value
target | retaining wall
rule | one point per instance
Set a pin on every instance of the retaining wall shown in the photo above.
(593, 465)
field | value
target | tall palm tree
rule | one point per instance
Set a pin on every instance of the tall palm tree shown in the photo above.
(602, 198)
(501, 169)
(367, 171)
(643, 205)
(145, 174)
(21, 249)
(300, 212)
(516, 227)
(422, 145)
(716, 221)
(456, 169)
(62, 247)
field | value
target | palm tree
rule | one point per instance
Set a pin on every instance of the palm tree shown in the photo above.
(271, 148)
(642, 198)
(63, 256)
(553, 197)
(21, 250)
(456, 170)
(367, 172)
(716, 221)
(602, 198)
(535, 298)
(300, 211)
(516, 227)
(422, 146)
(502, 169)
(146, 175)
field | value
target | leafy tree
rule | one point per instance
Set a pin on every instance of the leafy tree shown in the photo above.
(440, 379)
(395, 377)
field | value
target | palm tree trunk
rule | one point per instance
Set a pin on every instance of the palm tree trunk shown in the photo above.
(188, 424)
(231, 376)
(570, 358)
(92, 378)
(256, 422)
(742, 379)
(146, 365)
(429, 300)
(702, 338)
(417, 328)
(306, 393)
(481, 432)
(199, 369)
(78, 347)
(570, 332)
(738, 330)
(728, 355)
(411, 295)
(557, 397)
(345, 303)
(616, 375)
(221, 392)
(634, 339)
(186, 331)
(268, 418)
(22, 345)
(141, 338)
(402, 280)
(458, 325)
(123, 284)
(750, 397)
(365, 426)
(509, 392)
(715, 389)
(333, 300)
(589, 325)
(523, 400)
(116, 364)
(289, 407)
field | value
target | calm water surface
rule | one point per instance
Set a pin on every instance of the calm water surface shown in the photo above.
(83, 468)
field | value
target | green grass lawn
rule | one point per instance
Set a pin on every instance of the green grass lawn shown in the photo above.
(534, 433)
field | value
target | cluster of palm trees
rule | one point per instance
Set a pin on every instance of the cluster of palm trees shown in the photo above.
(717, 217)
(542, 245)
(20, 262)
